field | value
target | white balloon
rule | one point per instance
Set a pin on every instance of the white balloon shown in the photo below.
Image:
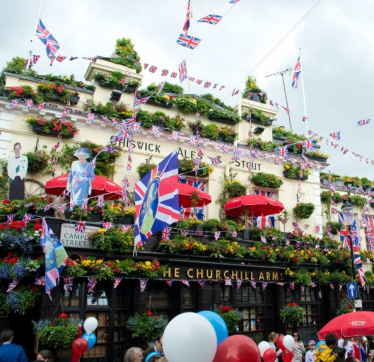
(288, 342)
(189, 337)
(90, 324)
(263, 346)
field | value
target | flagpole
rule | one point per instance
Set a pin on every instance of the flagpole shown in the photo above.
(36, 25)
(302, 86)
(189, 50)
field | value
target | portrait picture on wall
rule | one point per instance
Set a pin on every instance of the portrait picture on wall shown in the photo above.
(17, 169)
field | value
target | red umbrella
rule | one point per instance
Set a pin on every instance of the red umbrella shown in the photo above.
(100, 186)
(252, 205)
(349, 325)
(185, 196)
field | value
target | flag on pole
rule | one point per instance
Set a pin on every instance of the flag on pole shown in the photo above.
(182, 71)
(296, 74)
(186, 24)
(51, 44)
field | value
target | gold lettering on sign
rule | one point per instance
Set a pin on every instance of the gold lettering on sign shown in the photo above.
(275, 276)
(176, 273)
(189, 271)
(234, 275)
(245, 276)
(252, 278)
(218, 274)
(267, 276)
(241, 275)
(209, 274)
(199, 273)
(167, 273)
(281, 276)
(261, 276)
(225, 274)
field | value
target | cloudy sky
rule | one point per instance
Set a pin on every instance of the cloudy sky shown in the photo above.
(336, 39)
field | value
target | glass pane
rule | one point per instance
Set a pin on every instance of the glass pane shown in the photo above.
(72, 299)
(187, 293)
(97, 297)
(160, 295)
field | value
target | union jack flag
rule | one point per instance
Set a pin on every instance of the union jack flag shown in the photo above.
(14, 103)
(185, 282)
(264, 285)
(156, 214)
(40, 281)
(296, 74)
(40, 106)
(253, 284)
(84, 204)
(201, 282)
(228, 282)
(107, 225)
(100, 201)
(10, 218)
(191, 79)
(331, 285)
(80, 226)
(155, 131)
(91, 282)
(334, 211)
(190, 42)
(286, 109)
(174, 135)
(12, 285)
(166, 233)
(207, 84)
(35, 59)
(335, 135)
(234, 2)
(344, 233)
(152, 69)
(29, 103)
(91, 117)
(117, 280)
(234, 234)
(73, 58)
(199, 81)
(239, 283)
(363, 122)
(234, 92)
(292, 285)
(283, 152)
(68, 283)
(138, 102)
(27, 218)
(265, 221)
(309, 144)
(125, 228)
(182, 69)
(173, 75)
(62, 207)
(47, 39)
(313, 285)
(276, 104)
(72, 204)
(280, 284)
(358, 264)
(215, 161)
(217, 234)
(184, 232)
(169, 282)
(186, 24)
(164, 73)
(263, 239)
(210, 19)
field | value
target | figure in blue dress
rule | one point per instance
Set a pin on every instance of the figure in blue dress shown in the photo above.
(80, 178)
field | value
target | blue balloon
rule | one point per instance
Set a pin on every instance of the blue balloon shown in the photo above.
(90, 338)
(218, 324)
(150, 355)
(318, 343)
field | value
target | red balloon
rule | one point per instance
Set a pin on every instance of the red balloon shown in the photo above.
(79, 346)
(279, 343)
(287, 356)
(237, 348)
(269, 355)
(75, 358)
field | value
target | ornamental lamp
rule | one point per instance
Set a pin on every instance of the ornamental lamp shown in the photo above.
(347, 210)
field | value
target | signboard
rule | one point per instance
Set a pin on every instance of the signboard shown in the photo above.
(352, 290)
(70, 238)
(358, 303)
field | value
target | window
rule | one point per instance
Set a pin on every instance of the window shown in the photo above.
(73, 298)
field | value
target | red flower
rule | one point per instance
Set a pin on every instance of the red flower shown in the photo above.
(149, 313)
(37, 227)
(63, 316)
(33, 290)
(226, 309)
(7, 202)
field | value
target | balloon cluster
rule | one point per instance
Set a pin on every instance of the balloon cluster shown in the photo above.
(87, 341)
(285, 343)
(203, 337)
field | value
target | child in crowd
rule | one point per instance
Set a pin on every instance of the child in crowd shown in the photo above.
(325, 351)
(309, 356)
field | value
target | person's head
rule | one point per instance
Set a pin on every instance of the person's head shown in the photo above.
(273, 337)
(45, 356)
(358, 340)
(133, 354)
(158, 343)
(312, 345)
(17, 149)
(331, 340)
(82, 154)
(7, 335)
(350, 359)
(296, 336)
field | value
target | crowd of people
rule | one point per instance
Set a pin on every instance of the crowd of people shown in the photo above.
(329, 350)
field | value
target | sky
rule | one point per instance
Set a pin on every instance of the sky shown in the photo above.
(253, 38)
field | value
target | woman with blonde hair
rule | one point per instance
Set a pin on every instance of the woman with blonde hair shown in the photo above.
(272, 339)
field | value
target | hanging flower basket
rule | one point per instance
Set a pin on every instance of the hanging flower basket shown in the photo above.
(146, 326)
(292, 313)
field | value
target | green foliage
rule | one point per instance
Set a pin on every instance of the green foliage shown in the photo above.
(211, 131)
(235, 188)
(335, 227)
(172, 88)
(257, 115)
(211, 225)
(283, 217)
(326, 196)
(292, 313)
(104, 161)
(357, 200)
(24, 91)
(186, 104)
(217, 101)
(186, 165)
(334, 177)
(114, 238)
(127, 55)
(39, 162)
(232, 317)
(4, 180)
(303, 210)
(146, 326)
(267, 180)
(219, 114)
(263, 145)
(294, 172)
(115, 79)
(144, 118)
(281, 132)
(251, 87)
(117, 110)
(55, 91)
(144, 168)
(64, 128)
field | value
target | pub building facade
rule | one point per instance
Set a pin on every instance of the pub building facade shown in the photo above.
(111, 306)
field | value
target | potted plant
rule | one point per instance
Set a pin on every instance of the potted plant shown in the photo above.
(117, 110)
(56, 91)
(347, 309)
(118, 214)
(335, 227)
(257, 116)
(114, 238)
(227, 134)
(235, 188)
(186, 167)
(159, 119)
(252, 91)
(126, 54)
(146, 326)
(39, 162)
(267, 180)
(318, 156)
(290, 171)
(186, 104)
(35, 205)
(232, 317)
(175, 124)
(303, 210)
(223, 116)
(54, 127)
(20, 299)
(23, 92)
(144, 168)
(292, 313)
(57, 333)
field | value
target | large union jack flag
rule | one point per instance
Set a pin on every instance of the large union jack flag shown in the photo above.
(358, 263)
(182, 71)
(370, 231)
(47, 39)
(344, 233)
(296, 74)
(283, 151)
(210, 19)
(187, 41)
(156, 199)
(186, 24)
